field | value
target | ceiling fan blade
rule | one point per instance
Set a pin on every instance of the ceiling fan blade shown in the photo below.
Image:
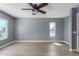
(31, 5)
(27, 9)
(42, 5)
(41, 11)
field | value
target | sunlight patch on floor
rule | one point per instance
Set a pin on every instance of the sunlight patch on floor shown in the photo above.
(58, 44)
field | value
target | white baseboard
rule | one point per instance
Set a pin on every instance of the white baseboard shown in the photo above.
(66, 42)
(6, 44)
(73, 50)
(42, 41)
(33, 41)
(38, 41)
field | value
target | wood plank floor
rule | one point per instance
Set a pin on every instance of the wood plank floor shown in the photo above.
(36, 49)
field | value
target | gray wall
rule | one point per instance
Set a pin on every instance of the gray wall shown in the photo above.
(38, 28)
(68, 29)
(10, 28)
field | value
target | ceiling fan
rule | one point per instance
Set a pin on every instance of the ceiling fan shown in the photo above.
(36, 8)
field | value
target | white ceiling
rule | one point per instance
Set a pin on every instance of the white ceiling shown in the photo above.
(54, 10)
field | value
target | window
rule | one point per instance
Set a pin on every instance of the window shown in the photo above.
(52, 29)
(3, 29)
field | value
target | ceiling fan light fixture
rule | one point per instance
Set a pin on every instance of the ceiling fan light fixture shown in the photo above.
(35, 12)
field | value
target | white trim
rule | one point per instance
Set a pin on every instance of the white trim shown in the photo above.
(72, 50)
(33, 41)
(37, 41)
(77, 32)
(67, 42)
(6, 44)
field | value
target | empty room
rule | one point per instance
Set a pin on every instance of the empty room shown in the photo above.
(39, 29)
